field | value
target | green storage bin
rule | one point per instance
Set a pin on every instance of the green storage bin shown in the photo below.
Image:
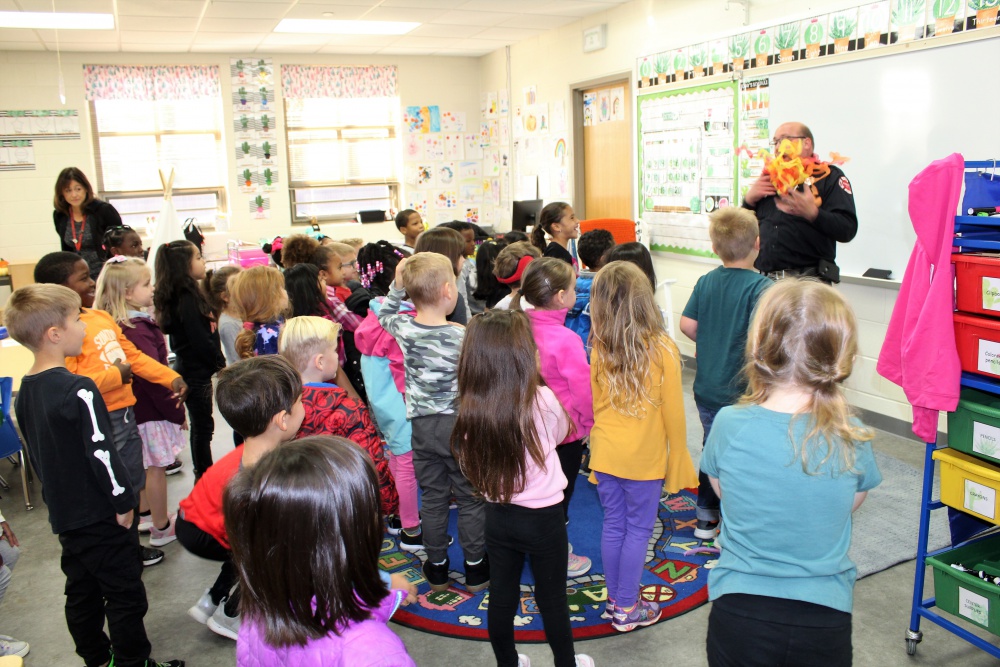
(974, 427)
(965, 595)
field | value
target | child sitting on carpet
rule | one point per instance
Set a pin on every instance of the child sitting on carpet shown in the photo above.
(784, 596)
(306, 534)
(639, 441)
(510, 457)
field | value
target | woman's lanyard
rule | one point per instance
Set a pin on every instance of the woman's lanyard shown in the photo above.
(77, 236)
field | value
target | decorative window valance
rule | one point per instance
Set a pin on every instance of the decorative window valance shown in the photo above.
(150, 83)
(309, 82)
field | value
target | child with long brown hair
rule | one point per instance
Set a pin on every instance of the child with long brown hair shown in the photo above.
(259, 298)
(448, 242)
(639, 440)
(509, 424)
(558, 221)
(792, 432)
(216, 287)
(549, 285)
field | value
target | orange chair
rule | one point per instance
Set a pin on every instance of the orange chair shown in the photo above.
(621, 229)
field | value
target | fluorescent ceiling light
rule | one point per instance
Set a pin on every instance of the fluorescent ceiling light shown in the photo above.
(328, 27)
(57, 20)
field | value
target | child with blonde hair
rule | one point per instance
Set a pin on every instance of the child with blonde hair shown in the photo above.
(639, 440)
(792, 431)
(259, 298)
(124, 292)
(509, 267)
(310, 344)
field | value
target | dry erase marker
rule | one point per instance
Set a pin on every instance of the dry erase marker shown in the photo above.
(984, 210)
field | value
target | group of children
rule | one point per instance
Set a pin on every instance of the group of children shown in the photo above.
(477, 381)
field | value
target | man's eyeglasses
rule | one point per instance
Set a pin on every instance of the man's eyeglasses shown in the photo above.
(777, 140)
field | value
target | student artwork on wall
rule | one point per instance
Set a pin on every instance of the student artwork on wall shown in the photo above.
(618, 103)
(418, 204)
(424, 175)
(503, 103)
(453, 121)
(260, 207)
(433, 147)
(473, 150)
(589, 106)
(488, 105)
(40, 124)
(413, 147)
(445, 199)
(422, 119)
(17, 155)
(472, 214)
(446, 174)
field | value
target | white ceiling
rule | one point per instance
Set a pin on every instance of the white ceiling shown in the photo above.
(448, 27)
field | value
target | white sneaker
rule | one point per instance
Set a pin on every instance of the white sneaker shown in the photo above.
(227, 626)
(204, 608)
(158, 538)
(13, 647)
(584, 660)
(145, 523)
(523, 660)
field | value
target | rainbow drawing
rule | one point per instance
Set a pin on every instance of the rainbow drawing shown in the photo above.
(560, 151)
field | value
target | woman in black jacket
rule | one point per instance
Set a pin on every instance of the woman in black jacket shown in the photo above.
(81, 220)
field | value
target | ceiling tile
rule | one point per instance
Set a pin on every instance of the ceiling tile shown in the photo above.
(509, 34)
(406, 41)
(182, 39)
(158, 23)
(247, 26)
(474, 18)
(427, 4)
(291, 48)
(143, 47)
(247, 10)
(18, 35)
(340, 12)
(419, 15)
(506, 5)
(538, 21)
(8, 6)
(96, 36)
(21, 46)
(482, 45)
(440, 30)
(235, 39)
(373, 41)
(85, 6)
(282, 39)
(415, 51)
(338, 3)
(570, 7)
(172, 8)
(88, 47)
(467, 53)
(349, 50)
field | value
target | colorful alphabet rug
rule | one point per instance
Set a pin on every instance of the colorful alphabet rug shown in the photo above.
(675, 576)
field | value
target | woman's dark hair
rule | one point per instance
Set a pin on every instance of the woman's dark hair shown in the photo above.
(215, 283)
(305, 295)
(114, 237)
(544, 278)
(173, 280)
(489, 290)
(515, 236)
(443, 241)
(377, 266)
(305, 528)
(497, 377)
(62, 182)
(550, 215)
(636, 253)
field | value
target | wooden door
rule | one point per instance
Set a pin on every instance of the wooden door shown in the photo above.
(607, 151)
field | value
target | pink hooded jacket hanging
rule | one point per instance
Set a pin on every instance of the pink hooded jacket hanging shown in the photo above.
(919, 351)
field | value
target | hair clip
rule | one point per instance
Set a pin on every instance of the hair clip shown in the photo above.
(117, 259)
(398, 253)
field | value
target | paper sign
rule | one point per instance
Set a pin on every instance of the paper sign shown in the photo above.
(980, 499)
(986, 440)
(991, 293)
(974, 607)
(989, 357)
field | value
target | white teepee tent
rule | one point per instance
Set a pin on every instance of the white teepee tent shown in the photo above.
(168, 225)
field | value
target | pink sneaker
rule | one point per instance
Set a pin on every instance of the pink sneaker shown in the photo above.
(577, 566)
(158, 538)
(642, 614)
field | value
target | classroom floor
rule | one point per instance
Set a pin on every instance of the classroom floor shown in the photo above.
(33, 608)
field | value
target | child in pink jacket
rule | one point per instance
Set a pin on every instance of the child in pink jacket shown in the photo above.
(548, 284)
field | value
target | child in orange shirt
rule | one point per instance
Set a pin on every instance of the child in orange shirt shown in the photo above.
(110, 359)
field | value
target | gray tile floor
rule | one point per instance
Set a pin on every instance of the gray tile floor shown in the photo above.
(33, 608)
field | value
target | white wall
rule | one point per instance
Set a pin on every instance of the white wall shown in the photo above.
(555, 63)
(30, 81)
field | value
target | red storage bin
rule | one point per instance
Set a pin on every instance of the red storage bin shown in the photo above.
(978, 340)
(977, 278)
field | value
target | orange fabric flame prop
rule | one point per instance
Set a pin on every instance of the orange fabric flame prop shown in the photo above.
(788, 169)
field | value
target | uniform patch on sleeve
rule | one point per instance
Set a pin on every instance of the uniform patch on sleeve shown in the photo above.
(845, 185)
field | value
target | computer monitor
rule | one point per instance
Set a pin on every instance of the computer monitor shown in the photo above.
(525, 214)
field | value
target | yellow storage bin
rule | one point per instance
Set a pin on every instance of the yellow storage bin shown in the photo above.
(970, 484)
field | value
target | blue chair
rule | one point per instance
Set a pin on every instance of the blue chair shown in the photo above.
(10, 440)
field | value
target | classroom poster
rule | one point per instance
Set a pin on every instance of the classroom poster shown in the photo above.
(603, 105)
(906, 20)
(873, 23)
(739, 51)
(786, 42)
(17, 155)
(812, 37)
(255, 136)
(982, 14)
(41, 124)
(718, 55)
(589, 107)
(260, 207)
(754, 132)
(618, 103)
(945, 17)
(842, 28)
(762, 46)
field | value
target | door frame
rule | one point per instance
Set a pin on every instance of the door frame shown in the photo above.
(576, 89)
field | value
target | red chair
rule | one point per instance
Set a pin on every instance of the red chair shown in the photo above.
(621, 229)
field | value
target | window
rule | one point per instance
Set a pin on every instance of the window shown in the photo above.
(135, 139)
(343, 156)
(148, 119)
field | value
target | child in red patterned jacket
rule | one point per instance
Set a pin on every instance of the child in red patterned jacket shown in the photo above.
(310, 344)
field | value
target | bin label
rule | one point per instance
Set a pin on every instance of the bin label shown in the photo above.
(989, 357)
(986, 440)
(974, 607)
(980, 499)
(991, 293)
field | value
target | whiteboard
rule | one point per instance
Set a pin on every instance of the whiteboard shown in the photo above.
(894, 115)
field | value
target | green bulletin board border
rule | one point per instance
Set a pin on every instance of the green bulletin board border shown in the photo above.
(734, 87)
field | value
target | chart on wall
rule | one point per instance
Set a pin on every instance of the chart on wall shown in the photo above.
(254, 132)
(687, 163)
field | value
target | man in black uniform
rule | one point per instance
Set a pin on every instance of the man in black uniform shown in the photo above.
(797, 237)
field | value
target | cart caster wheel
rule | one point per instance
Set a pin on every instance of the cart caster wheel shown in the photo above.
(911, 646)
